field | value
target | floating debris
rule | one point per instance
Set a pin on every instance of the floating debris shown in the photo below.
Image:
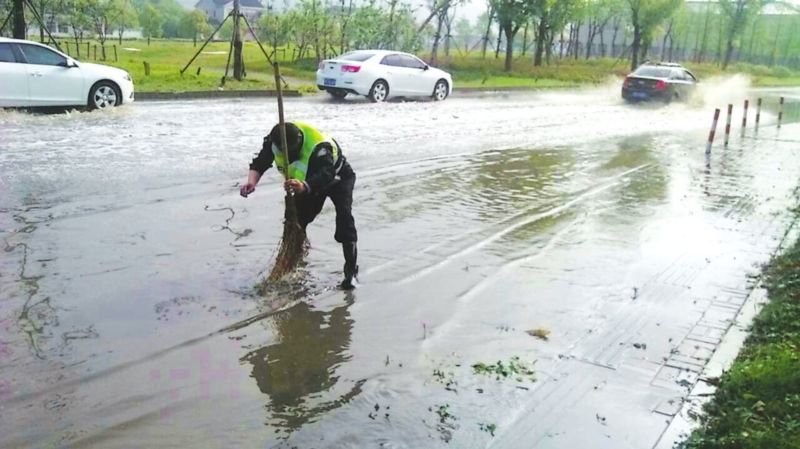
(514, 367)
(600, 419)
(489, 428)
(540, 333)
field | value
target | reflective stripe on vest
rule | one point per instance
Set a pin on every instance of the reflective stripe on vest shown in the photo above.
(311, 138)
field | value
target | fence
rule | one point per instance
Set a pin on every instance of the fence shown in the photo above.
(86, 51)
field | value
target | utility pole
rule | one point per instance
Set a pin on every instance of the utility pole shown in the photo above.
(19, 28)
(238, 62)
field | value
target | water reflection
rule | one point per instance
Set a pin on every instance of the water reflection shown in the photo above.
(298, 372)
(643, 187)
(510, 179)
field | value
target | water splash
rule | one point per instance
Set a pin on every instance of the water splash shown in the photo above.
(719, 91)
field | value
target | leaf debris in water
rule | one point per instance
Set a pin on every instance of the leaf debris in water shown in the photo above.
(540, 333)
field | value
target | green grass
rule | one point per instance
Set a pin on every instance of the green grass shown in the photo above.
(475, 71)
(757, 404)
(167, 57)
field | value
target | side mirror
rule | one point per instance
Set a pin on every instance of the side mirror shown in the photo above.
(426, 67)
(70, 64)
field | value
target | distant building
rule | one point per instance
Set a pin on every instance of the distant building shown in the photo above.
(217, 10)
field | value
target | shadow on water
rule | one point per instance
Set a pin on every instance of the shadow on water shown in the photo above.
(49, 110)
(297, 370)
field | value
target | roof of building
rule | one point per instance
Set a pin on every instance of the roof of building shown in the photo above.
(243, 3)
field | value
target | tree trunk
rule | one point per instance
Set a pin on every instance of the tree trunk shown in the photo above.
(238, 66)
(664, 41)
(499, 41)
(525, 39)
(590, 38)
(41, 25)
(344, 40)
(510, 32)
(637, 41)
(703, 45)
(736, 22)
(728, 52)
(671, 47)
(602, 41)
(720, 41)
(617, 24)
(541, 36)
(646, 44)
(18, 21)
(561, 45)
(486, 34)
(569, 40)
(448, 21)
(436, 38)
(577, 47)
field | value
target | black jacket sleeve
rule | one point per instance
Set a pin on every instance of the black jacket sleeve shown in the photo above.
(265, 157)
(321, 168)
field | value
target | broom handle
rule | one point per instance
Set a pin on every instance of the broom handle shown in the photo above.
(281, 122)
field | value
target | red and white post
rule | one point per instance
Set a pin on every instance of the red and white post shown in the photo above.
(744, 116)
(758, 112)
(728, 124)
(780, 113)
(713, 131)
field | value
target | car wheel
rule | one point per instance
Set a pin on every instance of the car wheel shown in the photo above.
(379, 91)
(441, 90)
(673, 97)
(338, 94)
(104, 95)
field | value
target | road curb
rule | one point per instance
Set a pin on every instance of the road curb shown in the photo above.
(212, 94)
(686, 420)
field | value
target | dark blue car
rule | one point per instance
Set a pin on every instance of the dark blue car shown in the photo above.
(662, 82)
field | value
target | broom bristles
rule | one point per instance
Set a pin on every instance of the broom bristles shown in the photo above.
(292, 248)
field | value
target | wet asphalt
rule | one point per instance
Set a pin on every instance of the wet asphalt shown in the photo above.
(585, 254)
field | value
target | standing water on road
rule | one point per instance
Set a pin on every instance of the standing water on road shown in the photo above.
(548, 270)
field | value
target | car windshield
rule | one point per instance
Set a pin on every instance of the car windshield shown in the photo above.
(655, 72)
(359, 56)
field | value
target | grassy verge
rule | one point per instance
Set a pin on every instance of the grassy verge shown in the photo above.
(757, 404)
(474, 71)
(167, 57)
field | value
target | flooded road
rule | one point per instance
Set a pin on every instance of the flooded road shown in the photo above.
(538, 270)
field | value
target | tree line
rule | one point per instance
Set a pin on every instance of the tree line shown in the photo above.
(720, 31)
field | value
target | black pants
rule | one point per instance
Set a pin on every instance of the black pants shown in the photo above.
(341, 193)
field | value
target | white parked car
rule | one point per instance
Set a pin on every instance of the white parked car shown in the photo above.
(34, 75)
(380, 74)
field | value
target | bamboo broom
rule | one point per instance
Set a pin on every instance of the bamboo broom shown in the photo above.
(292, 248)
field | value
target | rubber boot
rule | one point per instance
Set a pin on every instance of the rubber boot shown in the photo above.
(350, 267)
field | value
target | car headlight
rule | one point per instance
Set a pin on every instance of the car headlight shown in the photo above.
(127, 77)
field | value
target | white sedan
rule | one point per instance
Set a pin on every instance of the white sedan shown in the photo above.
(35, 75)
(380, 74)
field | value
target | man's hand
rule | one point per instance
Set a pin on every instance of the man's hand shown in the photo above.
(247, 189)
(294, 186)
